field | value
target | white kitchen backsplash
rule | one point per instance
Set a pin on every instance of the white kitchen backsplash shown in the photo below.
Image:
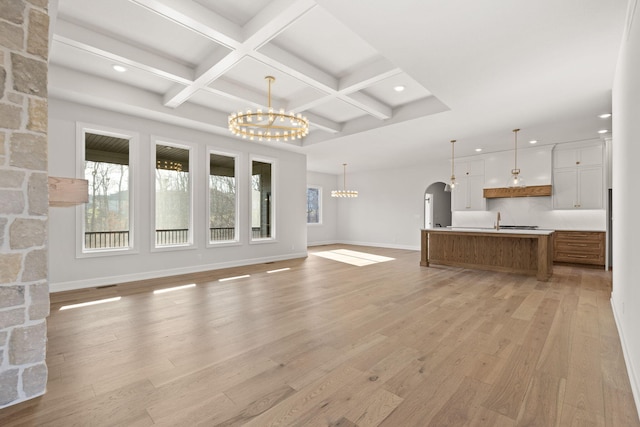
(531, 211)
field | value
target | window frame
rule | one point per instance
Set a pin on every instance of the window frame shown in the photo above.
(273, 202)
(237, 156)
(134, 143)
(319, 188)
(193, 174)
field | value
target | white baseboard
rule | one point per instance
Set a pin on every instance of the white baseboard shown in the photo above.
(633, 378)
(326, 242)
(380, 245)
(113, 280)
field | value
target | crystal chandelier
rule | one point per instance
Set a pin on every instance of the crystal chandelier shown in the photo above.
(451, 185)
(515, 180)
(269, 125)
(344, 192)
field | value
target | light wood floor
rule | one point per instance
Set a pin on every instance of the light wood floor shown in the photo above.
(331, 344)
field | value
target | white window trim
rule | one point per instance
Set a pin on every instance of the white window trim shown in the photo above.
(274, 187)
(134, 148)
(320, 209)
(239, 193)
(193, 173)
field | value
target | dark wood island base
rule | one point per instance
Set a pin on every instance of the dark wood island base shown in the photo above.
(498, 250)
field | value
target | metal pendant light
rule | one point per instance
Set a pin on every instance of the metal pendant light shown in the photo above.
(451, 185)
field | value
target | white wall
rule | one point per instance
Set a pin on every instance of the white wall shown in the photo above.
(626, 203)
(69, 272)
(389, 211)
(327, 232)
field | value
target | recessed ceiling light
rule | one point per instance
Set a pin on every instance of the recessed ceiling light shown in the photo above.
(478, 149)
(533, 141)
(605, 115)
(603, 131)
(119, 68)
(399, 88)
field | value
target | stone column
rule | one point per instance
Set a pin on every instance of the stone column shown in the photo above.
(24, 211)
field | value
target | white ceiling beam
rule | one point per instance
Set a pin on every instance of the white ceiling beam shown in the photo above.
(177, 95)
(196, 18)
(117, 51)
(308, 101)
(324, 124)
(108, 94)
(260, 31)
(240, 94)
(253, 40)
(288, 63)
(284, 61)
(368, 75)
(276, 17)
(368, 104)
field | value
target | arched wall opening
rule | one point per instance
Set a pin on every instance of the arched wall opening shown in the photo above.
(437, 206)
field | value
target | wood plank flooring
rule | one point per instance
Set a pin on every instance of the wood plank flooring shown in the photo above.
(331, 344)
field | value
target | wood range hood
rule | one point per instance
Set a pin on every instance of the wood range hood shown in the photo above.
(506, 192)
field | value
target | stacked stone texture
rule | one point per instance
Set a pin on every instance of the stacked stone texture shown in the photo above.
(24, 289)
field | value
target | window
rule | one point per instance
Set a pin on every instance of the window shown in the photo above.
(262, 195)
(314, 205)
(172, 195)
(223, 198)
(106, 222)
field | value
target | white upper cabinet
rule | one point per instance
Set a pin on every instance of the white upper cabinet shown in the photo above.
(584, 156)
(578, 177)
(467, 195)
(534, 163)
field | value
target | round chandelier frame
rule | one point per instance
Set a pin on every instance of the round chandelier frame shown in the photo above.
(270, 125)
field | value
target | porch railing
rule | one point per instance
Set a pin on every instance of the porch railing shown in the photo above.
(166, 237)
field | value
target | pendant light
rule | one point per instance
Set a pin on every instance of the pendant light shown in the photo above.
(515, 180)
(344, 192)
(451, 185)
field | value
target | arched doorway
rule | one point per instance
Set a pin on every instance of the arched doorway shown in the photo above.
(437, 206)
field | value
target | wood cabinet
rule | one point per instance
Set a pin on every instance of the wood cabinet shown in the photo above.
(526, 253)
(579, 247)
(468, 195)
(578, 177)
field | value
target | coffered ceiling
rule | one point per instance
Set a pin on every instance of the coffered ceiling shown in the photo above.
(470, 70)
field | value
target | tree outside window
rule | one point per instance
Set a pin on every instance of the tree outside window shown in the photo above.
(106, 215)
(222, 198)
(314, 201)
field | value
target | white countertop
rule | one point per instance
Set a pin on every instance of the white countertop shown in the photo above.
(540, 232)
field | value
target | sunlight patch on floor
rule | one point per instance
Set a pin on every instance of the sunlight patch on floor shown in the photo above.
(356, 258)
(226, 279)
(85, 304)
(175, 288)
(279, 270)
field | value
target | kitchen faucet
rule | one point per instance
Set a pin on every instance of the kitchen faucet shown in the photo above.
(497, 226)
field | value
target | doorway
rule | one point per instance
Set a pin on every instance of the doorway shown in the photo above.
(437, 206)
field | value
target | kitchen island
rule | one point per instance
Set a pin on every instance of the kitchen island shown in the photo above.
(517, 251)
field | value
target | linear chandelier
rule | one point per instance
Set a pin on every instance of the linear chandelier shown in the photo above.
(269, 125)
(344, 192)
